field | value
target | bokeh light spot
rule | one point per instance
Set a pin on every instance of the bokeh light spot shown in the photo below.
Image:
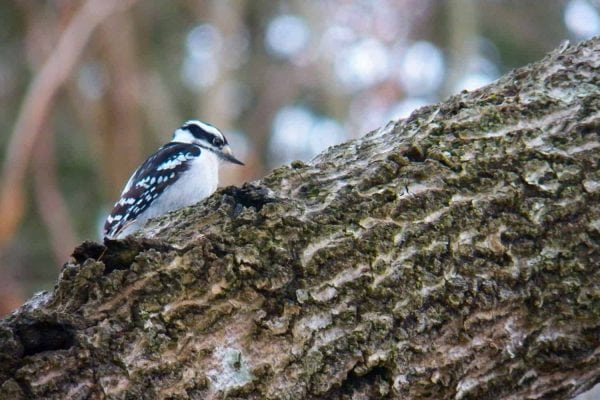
(422, 69)
(582, 19)
(286, 36)
(363, 64)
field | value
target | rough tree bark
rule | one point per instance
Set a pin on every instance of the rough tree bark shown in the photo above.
(453, 254)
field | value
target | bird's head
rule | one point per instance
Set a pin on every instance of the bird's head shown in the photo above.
(206, 136)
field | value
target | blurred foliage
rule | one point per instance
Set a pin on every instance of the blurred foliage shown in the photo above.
(283, 79)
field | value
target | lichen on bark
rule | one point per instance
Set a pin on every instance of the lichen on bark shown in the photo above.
(453, 254)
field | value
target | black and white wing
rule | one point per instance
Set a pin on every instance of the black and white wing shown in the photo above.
(148, 183)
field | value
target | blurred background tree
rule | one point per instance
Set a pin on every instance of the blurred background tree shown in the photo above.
(89, 88)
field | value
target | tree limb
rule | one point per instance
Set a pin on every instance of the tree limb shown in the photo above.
(453, 254)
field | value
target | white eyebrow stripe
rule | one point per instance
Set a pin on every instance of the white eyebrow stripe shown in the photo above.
(208, 128)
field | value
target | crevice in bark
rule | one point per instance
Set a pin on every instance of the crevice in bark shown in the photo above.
(249, 195)
(415, 153)
(375, 383)
(116, 254)
(37, 337)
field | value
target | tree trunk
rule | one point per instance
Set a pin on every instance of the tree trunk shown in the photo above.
(453, 254)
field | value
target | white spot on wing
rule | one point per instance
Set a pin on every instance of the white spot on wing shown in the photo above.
(169, 164)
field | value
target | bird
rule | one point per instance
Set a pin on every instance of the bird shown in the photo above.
(180, 173)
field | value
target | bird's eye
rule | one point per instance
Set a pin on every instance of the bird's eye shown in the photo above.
(217, 142)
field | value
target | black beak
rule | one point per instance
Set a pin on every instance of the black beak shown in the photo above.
(226, 154)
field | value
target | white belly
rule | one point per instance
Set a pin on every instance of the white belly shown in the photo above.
(197, 183)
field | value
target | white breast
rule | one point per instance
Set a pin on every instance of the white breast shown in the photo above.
(195, 184)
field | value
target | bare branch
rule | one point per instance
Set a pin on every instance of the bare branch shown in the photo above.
(50, 201)
(38, 102)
